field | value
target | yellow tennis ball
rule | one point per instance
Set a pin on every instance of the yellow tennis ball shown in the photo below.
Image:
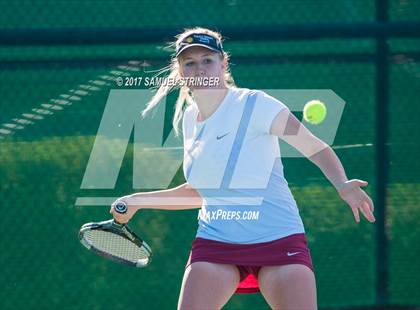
(314, 112)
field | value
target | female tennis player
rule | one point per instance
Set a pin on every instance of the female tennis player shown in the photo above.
(250, 235)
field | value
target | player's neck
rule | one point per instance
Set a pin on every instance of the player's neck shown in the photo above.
(208, 100)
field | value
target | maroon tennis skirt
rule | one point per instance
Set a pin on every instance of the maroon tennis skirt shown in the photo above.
(249, 258)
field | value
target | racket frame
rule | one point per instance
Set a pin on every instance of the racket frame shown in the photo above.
(121, 230)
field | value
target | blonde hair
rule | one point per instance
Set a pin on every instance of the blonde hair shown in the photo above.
(174, 75)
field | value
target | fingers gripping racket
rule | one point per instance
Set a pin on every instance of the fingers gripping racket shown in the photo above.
(116, 241)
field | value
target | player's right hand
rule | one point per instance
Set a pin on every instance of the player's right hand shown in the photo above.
(125, 217)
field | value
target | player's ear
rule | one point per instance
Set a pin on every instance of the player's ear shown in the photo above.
(180, 71)
(224, 63)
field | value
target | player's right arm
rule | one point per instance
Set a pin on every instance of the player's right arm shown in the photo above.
(182, 197)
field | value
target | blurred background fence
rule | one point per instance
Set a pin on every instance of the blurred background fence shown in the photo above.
(58, 63)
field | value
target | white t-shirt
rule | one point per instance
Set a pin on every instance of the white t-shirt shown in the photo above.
(233, 161)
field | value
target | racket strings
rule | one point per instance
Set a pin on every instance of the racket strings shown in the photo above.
(116, 245)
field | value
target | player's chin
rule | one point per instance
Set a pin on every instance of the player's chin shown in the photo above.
(204, 87)
(198, 87)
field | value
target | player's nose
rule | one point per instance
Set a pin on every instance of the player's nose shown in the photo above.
(201, 71)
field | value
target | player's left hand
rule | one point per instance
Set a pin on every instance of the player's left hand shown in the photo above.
(357, 199)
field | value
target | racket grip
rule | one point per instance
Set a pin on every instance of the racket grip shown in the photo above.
(121, 207)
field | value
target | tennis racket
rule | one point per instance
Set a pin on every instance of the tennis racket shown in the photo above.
(116, 241)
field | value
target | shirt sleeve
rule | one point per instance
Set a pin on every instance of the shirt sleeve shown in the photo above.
(265, 110)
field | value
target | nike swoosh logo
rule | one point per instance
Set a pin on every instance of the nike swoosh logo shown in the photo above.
(220, 137)
(291, 254)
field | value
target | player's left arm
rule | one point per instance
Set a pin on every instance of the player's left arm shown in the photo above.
(287, 127)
